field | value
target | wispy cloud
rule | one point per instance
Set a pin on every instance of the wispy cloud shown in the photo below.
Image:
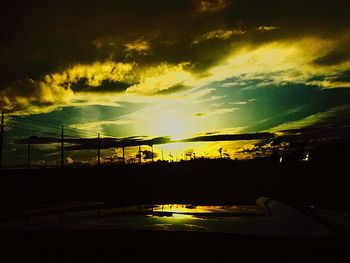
(232, 130)
(313, 119)
(241, 102)
(97, 124)
(216, 112)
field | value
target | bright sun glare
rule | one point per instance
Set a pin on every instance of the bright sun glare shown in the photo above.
(170, 123)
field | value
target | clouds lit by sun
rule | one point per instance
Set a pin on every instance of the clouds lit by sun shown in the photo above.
(177, 69)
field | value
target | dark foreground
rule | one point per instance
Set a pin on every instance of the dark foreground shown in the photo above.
(161, 246)
(323, 185)
(269, 231)
(199, 182)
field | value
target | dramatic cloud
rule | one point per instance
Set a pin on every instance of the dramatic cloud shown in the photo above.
(142, 48)
(176, 68)
(162, 77)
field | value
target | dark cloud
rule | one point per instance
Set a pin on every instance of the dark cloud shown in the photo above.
(106, 143)
(302, 137)
(231, 137)
(305, 16)
(22, 94)
(332, 59)
(42, 37)
(106, 86)
(173, 89)
(315, 133)
(45, 36)
(343, 76)
(73, 144)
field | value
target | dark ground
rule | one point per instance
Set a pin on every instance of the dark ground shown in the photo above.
(197, 182)
(323, 185)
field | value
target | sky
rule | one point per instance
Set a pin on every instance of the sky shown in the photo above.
(188, 71)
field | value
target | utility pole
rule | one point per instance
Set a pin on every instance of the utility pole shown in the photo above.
(220, 151)
(1, 138)
(98, 150)
(123, 154)
(152, 152)
(29, 152)
(62, 150)
(139, 154)
(162, 155)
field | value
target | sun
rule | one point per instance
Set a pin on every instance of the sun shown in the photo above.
(173, 123)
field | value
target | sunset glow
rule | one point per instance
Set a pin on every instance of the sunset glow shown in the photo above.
(188, 69)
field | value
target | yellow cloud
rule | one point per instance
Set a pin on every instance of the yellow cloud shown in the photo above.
(162, 77)
(54, 90)
(54, 93)
(268, 58)
(267, 28)
(279, 61)
(330, 83)
(94, 73)
(222, 34)
(140, 46)
(28, 96)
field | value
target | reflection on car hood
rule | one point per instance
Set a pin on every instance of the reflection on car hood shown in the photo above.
(268, 218)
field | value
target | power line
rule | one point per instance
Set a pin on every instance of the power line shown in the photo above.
(56, 125)
(49, 124)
